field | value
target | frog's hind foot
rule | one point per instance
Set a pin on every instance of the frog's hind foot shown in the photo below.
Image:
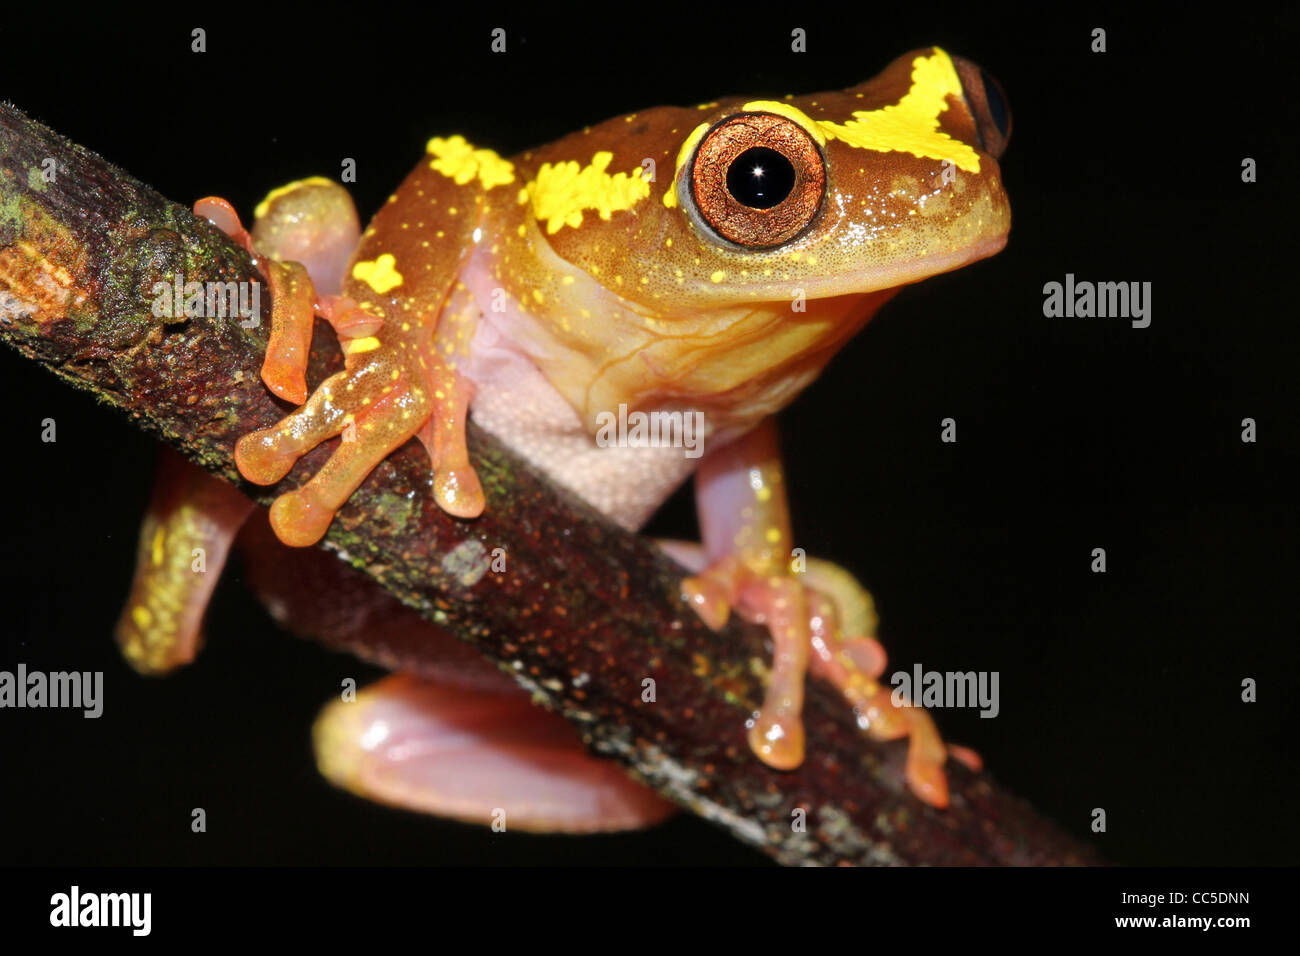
(476, 755)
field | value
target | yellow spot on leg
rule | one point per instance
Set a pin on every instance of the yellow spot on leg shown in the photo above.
(380, 274)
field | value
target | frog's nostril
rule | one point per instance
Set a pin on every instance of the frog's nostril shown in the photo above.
(988, 106)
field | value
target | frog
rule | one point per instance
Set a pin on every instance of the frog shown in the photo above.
(702, 263)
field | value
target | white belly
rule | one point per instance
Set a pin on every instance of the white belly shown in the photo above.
(514, 402)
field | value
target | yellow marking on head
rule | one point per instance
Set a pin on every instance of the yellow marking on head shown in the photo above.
(356, 346)
(683, 154)
(562, 191)
(461, 162)
(792, 113)
(265, 205)
(380, 274)
(909, 126)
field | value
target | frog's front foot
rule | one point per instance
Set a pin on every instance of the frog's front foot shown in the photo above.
(397, 383)
(385, 395)
(821, 621)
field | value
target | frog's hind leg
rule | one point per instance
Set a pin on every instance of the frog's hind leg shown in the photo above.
(184, 541)
(479, 755)
(457, 737)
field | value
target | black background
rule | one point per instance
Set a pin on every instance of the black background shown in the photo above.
(1119, 691)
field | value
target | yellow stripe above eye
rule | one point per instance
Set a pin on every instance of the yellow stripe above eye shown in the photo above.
(909, 126)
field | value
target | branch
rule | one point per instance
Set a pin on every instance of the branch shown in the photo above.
(79, 258)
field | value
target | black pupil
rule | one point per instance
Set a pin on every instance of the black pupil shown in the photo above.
(760, 178)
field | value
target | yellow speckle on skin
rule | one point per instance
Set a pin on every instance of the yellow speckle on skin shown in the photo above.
(357, 346)
(909, 126)
(718, 276)
(773, 535)
(567, 280)
(461, 162)
(265, 205)
(380, 274)
(538, 297)
(141, 616)
(764, 493)
(563, 191)
(156, 552)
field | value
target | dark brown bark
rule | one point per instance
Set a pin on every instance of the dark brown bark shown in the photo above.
(584, 612)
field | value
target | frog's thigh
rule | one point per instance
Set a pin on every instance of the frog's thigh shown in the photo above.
(475, 755)
(184, 540)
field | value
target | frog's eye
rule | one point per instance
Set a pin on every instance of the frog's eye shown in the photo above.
(988, 105)
(758, 179)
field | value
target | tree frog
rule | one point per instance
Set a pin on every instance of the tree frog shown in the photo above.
(701, 263)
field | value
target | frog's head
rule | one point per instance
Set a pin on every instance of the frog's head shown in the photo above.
(766, 232)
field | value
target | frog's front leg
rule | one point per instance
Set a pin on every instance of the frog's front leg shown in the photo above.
(304, 234)
(404, 326)
(820, 620)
